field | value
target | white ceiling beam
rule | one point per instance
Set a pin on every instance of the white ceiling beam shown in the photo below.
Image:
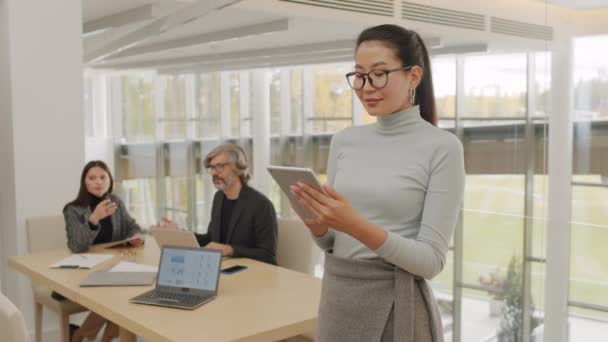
(319, 58)
(157, 27)
(346, 46)
(460, 49)
(131, 16)
(238, 32)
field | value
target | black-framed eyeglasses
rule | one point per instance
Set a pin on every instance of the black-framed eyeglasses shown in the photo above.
(219, 167)
(377, 77)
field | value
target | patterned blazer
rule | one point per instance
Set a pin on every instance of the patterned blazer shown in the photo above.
(81, 236)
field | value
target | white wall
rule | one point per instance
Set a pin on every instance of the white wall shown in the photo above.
(41, 122)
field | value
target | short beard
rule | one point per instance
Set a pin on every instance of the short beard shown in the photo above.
(225, 183)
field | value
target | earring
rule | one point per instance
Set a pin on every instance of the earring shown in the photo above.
(413, 96)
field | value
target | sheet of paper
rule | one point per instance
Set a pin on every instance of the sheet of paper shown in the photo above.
(82, 260)
(127, 266)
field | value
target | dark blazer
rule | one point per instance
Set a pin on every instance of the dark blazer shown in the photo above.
(252, 231)
(81, 236)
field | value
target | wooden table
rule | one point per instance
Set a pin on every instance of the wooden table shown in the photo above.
(262, 303)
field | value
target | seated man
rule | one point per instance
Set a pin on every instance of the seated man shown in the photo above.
(243, 221)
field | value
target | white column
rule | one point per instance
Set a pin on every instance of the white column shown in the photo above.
(560, 192)
(41, 123)
(260, 114)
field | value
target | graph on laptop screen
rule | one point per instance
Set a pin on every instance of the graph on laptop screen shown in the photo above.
(189, 269)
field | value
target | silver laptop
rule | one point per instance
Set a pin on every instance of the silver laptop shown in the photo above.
(107, 278)
(174, 237)
(187, 278)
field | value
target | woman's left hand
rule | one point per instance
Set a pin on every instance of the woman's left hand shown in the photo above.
(332, 210)
(137, 242)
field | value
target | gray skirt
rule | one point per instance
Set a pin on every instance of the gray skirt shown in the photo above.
(371, 300)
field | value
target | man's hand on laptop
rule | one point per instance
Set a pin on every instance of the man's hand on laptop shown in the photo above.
(167, 224)
(227, 250)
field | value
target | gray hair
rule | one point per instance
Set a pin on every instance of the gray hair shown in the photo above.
(237, 156)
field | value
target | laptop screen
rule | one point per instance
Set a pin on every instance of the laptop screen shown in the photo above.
(189, 268)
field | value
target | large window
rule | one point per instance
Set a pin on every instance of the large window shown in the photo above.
(208, 105)
(333, 107)
(137, 113)
(589, 235)
(167, 124)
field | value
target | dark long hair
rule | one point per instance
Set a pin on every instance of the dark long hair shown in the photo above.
(411, 51)
(84, 197)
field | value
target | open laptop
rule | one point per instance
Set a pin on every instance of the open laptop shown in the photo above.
(186, 279)
(174, 237)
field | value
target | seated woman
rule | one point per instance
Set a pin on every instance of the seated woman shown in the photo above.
(97, 216)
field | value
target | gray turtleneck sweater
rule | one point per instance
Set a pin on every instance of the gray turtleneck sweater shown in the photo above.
(405, 176)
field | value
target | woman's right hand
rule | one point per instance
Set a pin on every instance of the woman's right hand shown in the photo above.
(315, 227)
(104, 209)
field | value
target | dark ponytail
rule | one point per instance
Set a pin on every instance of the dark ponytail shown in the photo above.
(411, 50)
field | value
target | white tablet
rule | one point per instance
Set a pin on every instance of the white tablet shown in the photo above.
(287, 176)
(174, 237)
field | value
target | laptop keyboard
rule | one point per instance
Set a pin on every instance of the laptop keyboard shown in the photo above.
(176, 297)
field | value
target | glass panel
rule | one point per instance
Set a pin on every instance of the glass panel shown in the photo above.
(443, 289)
(139, 196)
(235, 102)
(539, 222)
(589, 256)
(589, 150)
(481, 317)
(88, 106)
(537, 287)
(542, 86)
(495, 85)
(447, 125)
(275, 102)
(591, 78)
(138, 114)
(173, 119)
(176, 183)
(208, 105)
(296, 101)
(495, 148)
(333, 108)
(589, 236)
(444, 83)
(583, 329)
(136, 181)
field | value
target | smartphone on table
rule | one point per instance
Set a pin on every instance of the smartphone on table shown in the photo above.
(234, 269)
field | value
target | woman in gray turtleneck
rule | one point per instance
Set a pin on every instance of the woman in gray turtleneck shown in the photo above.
(395, 191)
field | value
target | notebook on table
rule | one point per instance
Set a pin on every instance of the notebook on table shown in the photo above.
(82, 260)
(186, 278)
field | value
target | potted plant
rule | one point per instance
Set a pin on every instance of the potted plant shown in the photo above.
(511, 323)
(494, 283)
